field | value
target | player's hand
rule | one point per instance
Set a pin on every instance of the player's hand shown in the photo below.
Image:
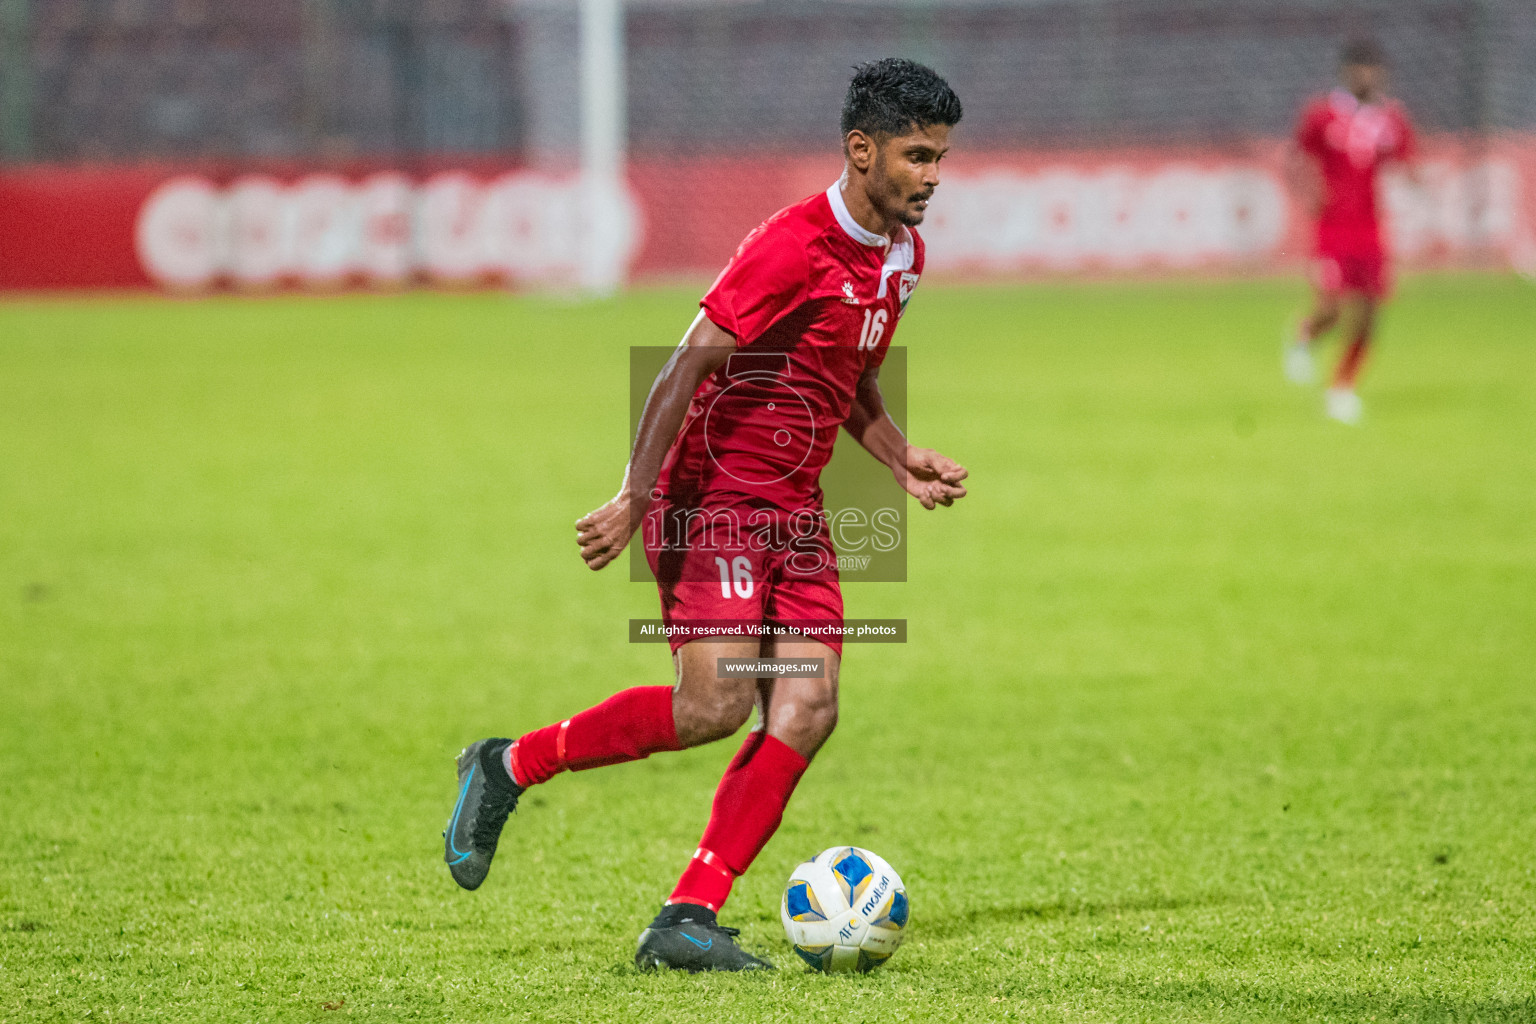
(604, 532)
(932, 478)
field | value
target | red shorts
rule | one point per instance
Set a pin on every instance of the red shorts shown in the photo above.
(734, 569)
(1359, 273)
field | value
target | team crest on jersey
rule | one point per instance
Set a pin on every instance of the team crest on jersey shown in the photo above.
(848, 295)
(904, 289)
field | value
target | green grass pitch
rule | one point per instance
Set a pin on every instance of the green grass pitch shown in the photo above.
(1212, 709)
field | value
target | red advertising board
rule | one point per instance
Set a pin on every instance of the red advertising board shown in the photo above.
(1016, 214)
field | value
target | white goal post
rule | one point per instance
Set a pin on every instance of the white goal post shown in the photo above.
(603, 145)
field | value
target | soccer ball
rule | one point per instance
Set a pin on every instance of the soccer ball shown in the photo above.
(845, 910)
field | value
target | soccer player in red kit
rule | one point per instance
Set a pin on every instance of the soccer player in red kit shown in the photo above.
(723, 482)
(1342, 141)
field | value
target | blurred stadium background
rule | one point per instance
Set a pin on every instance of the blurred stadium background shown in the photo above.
(187, 144)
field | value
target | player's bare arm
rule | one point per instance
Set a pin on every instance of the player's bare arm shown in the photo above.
(929, 476)
(1305, 179)
(604, 532)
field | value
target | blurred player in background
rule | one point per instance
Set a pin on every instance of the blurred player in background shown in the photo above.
(1342, 141)
(737, 428)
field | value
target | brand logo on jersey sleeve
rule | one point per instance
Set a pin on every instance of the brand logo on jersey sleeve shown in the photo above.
(848, 295)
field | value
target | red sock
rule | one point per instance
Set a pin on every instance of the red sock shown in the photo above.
(1349, 365)
(626, 727)
(749, 804)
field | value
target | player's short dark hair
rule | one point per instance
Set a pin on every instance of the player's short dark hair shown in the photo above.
(893, 96)
(1362, 52)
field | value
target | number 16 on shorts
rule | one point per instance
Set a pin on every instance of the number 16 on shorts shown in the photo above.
(736, 573)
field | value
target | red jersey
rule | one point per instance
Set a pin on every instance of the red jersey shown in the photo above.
(812, 299)
(1351, 141)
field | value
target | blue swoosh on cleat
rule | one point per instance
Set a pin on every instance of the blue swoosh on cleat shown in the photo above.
(453, 824)
(702, 945)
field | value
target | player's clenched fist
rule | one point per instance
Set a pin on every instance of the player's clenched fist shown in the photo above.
(932, 478)
(603, 532)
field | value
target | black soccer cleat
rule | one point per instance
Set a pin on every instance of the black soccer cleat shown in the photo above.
(486, 797)
(686, 937)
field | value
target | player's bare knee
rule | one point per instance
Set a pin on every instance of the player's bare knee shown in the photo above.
(729, 711)
(703, 714)
(706, 707)
(819, 722)
(806, 720)
(821, 715)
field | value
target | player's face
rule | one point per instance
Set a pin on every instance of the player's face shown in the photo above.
(1364, 80)
(906, 171)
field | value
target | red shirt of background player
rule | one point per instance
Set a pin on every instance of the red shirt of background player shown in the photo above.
(1350, 141)
(812, 299)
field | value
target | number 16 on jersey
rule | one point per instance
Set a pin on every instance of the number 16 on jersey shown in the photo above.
(873, 330)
